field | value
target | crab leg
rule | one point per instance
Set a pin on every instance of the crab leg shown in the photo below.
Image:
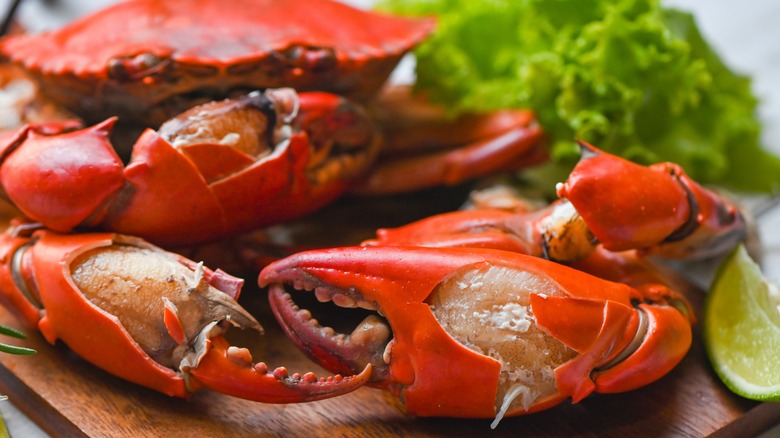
(146, 315)
(606, 201)
(512, 150)
(425, 147)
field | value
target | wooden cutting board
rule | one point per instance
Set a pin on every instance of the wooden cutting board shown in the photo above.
(69, 397)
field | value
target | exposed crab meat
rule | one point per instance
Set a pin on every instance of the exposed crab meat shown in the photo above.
(489, 311)
(252, 124)
(134, 284)
(565, 235)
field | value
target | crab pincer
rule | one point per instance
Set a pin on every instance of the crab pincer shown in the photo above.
(480, 333)
(214, 171)
(145, 315)
(656, 209)
(606, 202)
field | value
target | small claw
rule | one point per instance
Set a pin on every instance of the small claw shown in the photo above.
(657, 209)
(230, 370)
(638, 206)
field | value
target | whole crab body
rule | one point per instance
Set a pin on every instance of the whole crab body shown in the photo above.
(195, 181)
(145, 60)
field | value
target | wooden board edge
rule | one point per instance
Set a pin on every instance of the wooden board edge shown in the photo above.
(753, 423)
(46, 416)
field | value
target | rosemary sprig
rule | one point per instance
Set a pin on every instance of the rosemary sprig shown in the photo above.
(12, 349)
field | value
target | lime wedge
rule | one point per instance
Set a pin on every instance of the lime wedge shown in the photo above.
(742, 328)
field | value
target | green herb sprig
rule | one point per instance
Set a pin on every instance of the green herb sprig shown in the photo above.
(12, 349)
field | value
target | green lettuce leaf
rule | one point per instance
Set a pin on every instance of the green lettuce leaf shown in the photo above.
(629, 76)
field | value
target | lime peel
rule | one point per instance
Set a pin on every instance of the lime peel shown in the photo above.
(742, 328)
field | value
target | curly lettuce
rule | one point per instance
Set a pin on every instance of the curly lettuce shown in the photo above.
(629, 76)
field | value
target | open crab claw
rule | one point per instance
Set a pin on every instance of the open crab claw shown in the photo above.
(145, 315)
(230, 370)
(477, 332)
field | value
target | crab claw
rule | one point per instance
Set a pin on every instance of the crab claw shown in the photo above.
(213, 171)
(229, 370)
(148, 316)
(658, 209)
(476, 332)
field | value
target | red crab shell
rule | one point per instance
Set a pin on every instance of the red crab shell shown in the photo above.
(132, 58)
